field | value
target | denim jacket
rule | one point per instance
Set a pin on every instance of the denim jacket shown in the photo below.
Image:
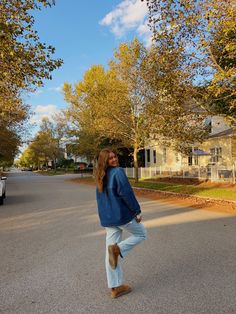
(117, 204)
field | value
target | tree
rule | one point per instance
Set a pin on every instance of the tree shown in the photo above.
(29, 159)
(205, 30)
(221, 90)
(46, 144)
(9, 142)
(24, 61)
(126, 105)
(152, 109)
(86, 100)
(87, 144)
(12, 131)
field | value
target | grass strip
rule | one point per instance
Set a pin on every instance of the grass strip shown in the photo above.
(213, 192)
(50, 173)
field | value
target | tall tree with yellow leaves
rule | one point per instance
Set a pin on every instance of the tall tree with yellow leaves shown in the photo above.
(131, 101)
(205, 30)
(24, 62)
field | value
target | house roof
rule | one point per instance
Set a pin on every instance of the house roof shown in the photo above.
(228, 132)
(200, 152)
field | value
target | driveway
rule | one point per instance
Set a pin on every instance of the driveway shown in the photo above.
(52, 254)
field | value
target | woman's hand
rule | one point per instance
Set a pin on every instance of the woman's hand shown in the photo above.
(138, 218)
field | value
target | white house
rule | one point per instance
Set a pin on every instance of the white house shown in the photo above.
(219, 148)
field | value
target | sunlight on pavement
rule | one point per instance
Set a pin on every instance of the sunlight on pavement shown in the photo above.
(94, 234)
(186, 217)
(31, 220)
(172, 216)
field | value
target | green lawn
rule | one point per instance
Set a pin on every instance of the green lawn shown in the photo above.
(198, 190)
(214, 192)
(53, 173)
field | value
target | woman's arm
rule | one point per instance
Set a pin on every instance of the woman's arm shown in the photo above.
(125, 191)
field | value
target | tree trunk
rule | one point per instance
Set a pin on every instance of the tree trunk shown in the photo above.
(54, 165)
(135, 163)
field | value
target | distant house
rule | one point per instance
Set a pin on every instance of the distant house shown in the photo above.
(219, 149)
(68, 155)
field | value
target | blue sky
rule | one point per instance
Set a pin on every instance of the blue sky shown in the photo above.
(84, 33)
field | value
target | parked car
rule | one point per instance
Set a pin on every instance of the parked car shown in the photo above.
(89, 168)
(26, 169)
(80, 165)
(2, 189)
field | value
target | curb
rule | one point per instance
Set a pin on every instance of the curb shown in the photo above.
(195, 197)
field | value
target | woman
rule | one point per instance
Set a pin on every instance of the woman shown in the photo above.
(118, 210)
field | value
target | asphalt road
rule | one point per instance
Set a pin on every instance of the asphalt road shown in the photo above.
(52, 255)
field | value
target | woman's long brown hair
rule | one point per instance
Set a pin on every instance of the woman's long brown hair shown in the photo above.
(102, 165)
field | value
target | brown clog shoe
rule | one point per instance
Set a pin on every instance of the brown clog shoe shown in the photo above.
(119, 291)
(114, 252)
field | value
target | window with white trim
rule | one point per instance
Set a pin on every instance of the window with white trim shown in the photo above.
(148, 155)
(176, 157)
(216, 154)
(192, 159)
(164, 158)
(154, 156)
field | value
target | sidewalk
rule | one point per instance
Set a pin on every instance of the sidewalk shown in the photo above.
(194, 197)
(208, 203)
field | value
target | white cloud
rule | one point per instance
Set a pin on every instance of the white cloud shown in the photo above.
(43, 111)
(143, 29)
(56, 89)
(145, 32)
(129, 14)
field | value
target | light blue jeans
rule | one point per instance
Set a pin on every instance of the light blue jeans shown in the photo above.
(114, 235)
